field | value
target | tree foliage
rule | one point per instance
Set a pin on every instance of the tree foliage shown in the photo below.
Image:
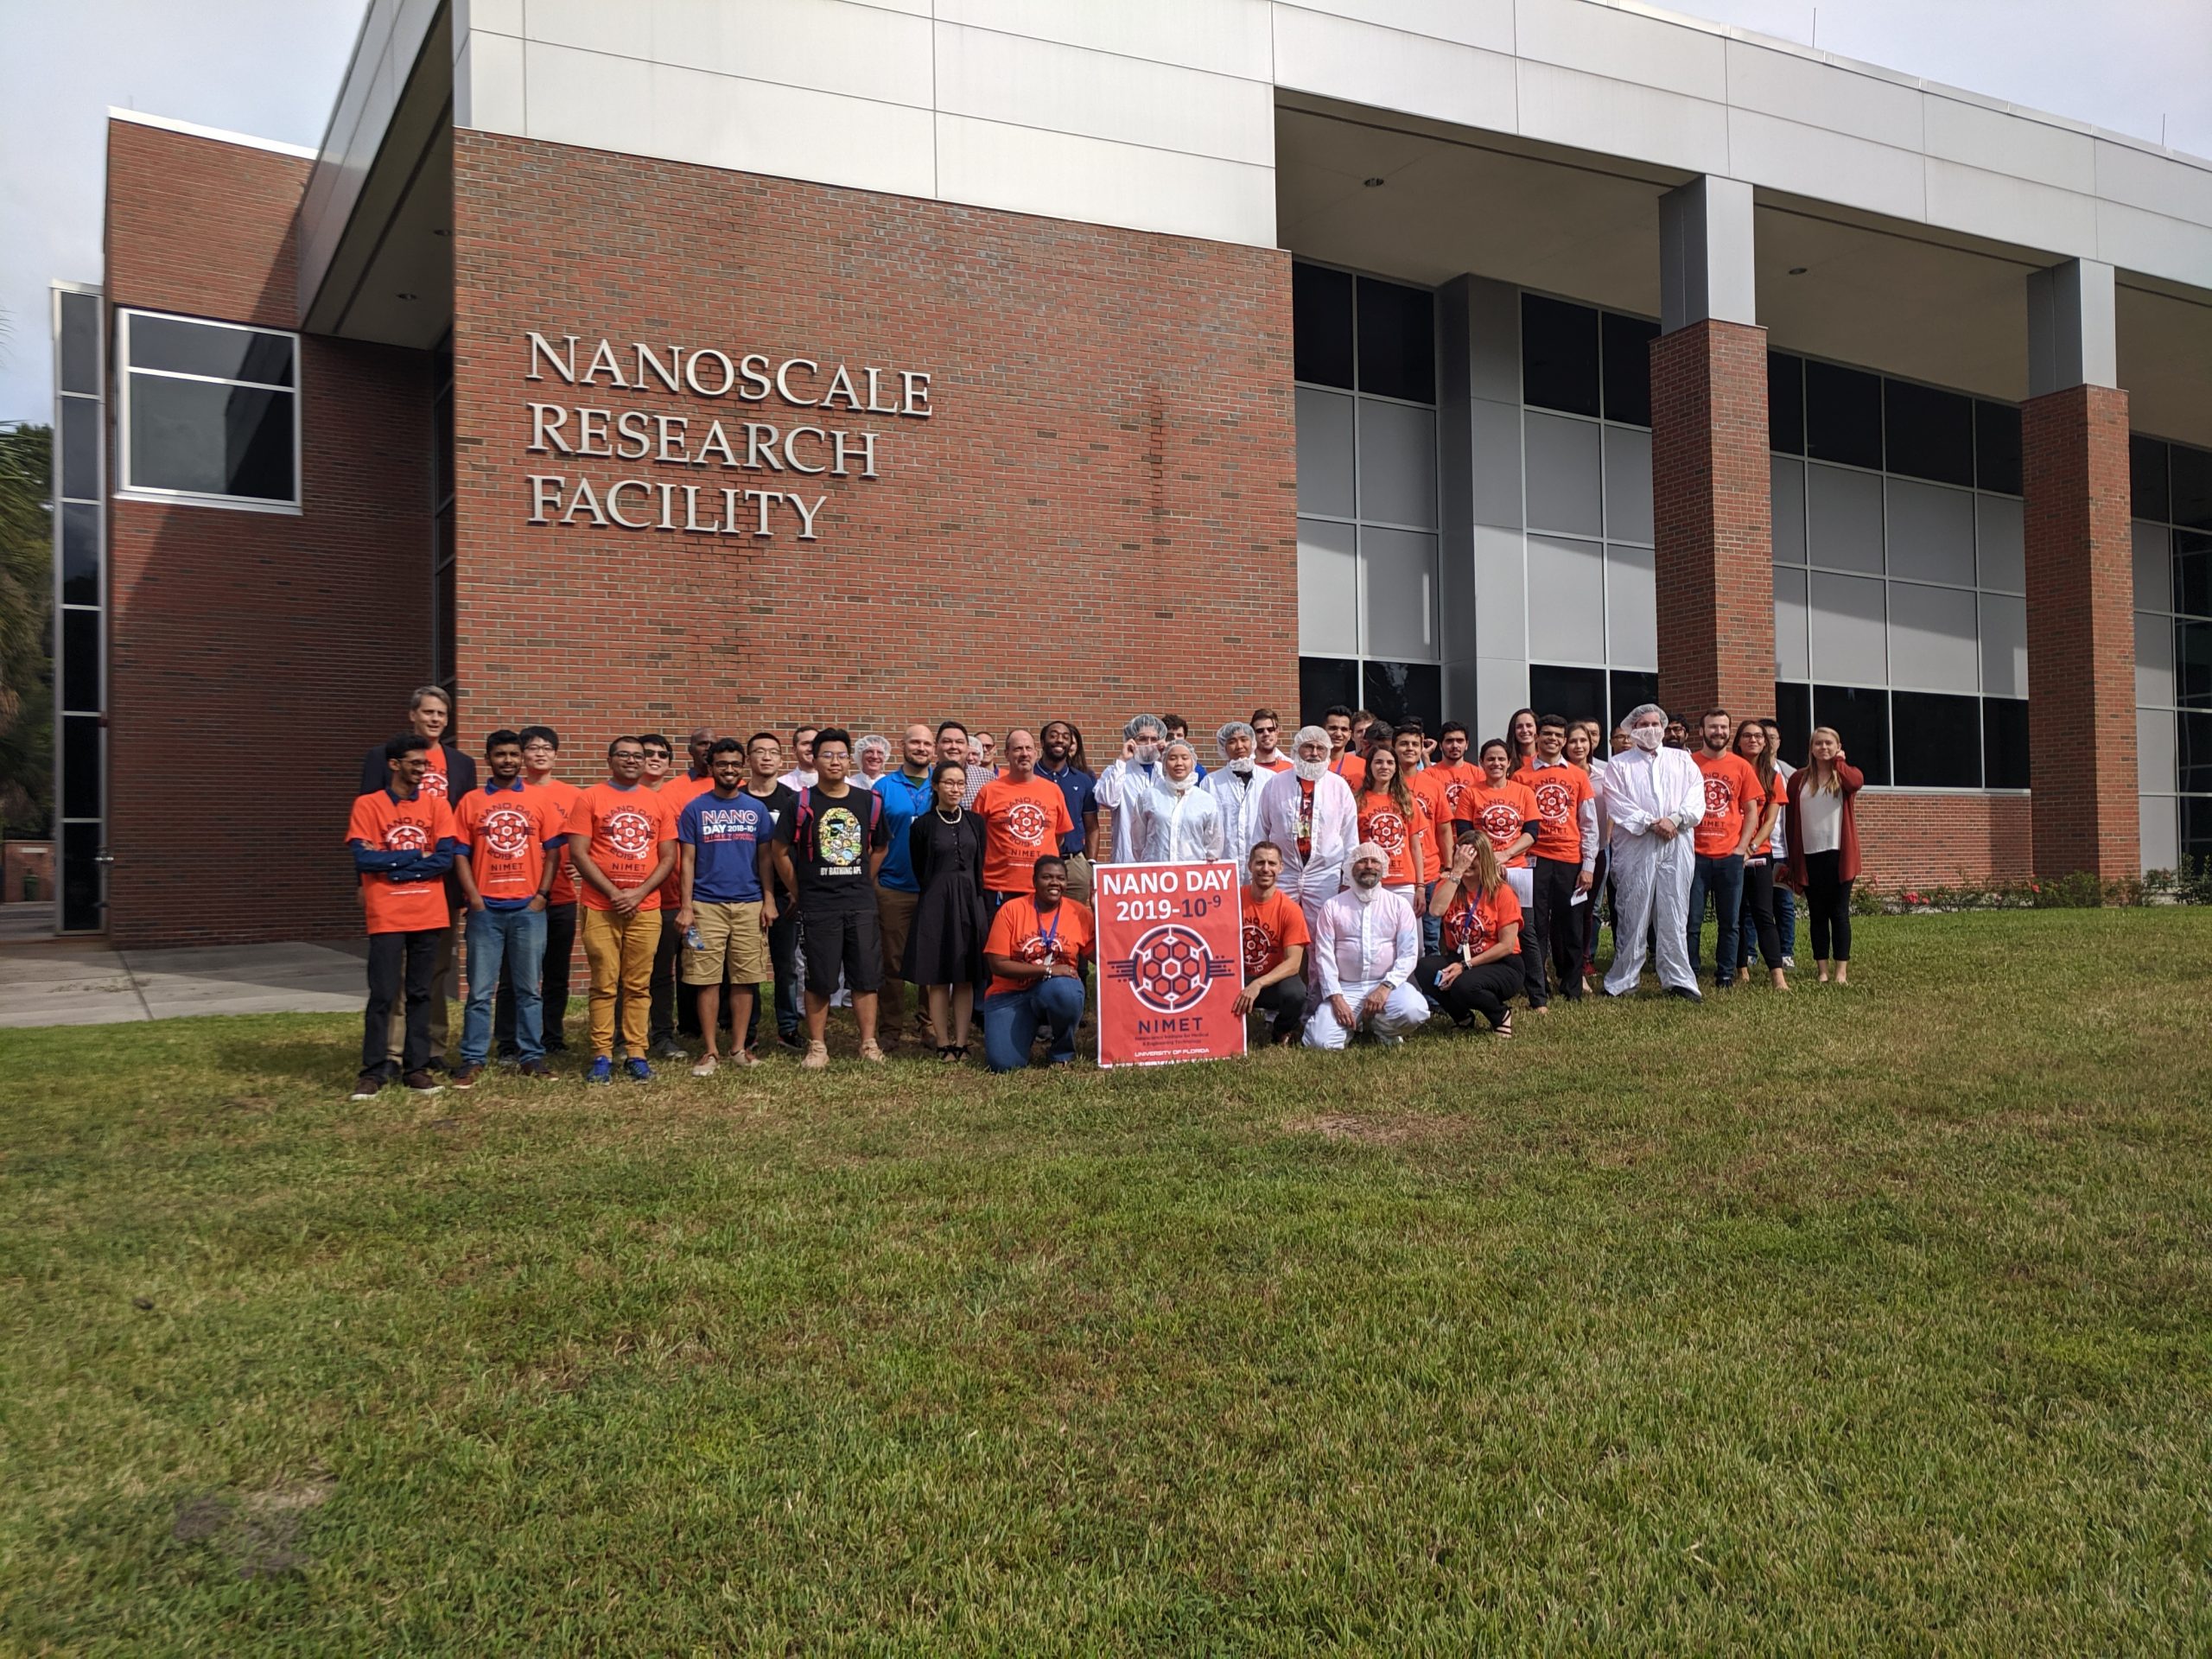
(26, 628)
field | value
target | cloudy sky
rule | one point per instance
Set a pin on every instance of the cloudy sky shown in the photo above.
(271, 67)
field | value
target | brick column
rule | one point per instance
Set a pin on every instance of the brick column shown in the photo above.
(1714, 519)
(2081, 632)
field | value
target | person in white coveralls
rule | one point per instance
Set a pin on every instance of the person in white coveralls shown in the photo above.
(1235, 786)
(1123, 785)
(1308, 811)
(1366, 943)
(1654, 796)
(1176, 821)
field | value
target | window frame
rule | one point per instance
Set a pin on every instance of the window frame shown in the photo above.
(125, 490)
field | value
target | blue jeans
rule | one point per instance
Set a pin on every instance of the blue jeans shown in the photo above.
(1431, 927)
(515, 938)
(1011, 1019)
(1722, 879)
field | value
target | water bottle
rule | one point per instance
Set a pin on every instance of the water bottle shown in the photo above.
(691, 938)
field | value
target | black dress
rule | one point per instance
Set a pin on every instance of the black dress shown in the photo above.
(945, 945)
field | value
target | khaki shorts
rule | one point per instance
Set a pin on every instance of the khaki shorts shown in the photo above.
(733, 946)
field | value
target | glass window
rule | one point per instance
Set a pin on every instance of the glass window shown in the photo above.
(1397, 692)
(1849, 637)
(2193, 665)
(1926, 433)
(1632, 608)
(1398, 463)
(1790, 661)
(1632, 688)
(1997, 447)
(2154, 663)
(2197, 829)
(1325, 457)
(211, 410)
(1785, 403)
(80, 766)
(2001, 543)
(1320, 310)
(2191, 471)
(1843, 520)
(1786, 489)
(2154, 744)
(1931, 532)
(81, 867)
(2005, 742)
(215, 350)
(81, 554)
(1397, 340)
(81, 661)
(1627, 358)
(1323, 682)
(1860, 716)
(1628, 485)
(2146, 475)
(1328, 588)
(1934, 639)
(81, 448)
(1398, 598)
(1793, 712)
(80, 345)
(1565, 475)
(1938, 740)
(2161, 844)
(2192, 572)
(1577, 693)
(1843, 415)
(1559, 355)
(2004, 645)
(1566, 602)
(2154, 569)
(2196, 735)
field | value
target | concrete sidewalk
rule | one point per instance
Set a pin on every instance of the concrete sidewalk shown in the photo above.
(50, 982)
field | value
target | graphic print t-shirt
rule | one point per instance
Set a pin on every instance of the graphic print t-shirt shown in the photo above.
(1021, 824)
(384, 825)
(1272, 925)
(1476, 923)
(625, 828)
(830, 837)
(505, 832)
(725, 836)
(1732, 788)
(1560, 792)
(1502, 813)
(1017, 931)
(1381, 822)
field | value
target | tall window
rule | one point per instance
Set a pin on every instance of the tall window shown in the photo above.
(210, 412)
(442, 635)
(1900, 609)
(80, 610)
(2173, 649)
(1368, 629)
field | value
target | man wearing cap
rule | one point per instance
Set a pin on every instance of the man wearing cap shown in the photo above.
(1366, 945)
(1654, 796)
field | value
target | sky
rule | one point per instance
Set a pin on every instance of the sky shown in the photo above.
(271, 67)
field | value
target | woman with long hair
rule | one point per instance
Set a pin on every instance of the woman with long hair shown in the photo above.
(1507, 815)
(1785, 902)
(1756, 913)
(1824, 847)
(1520, 740)
(945, 949)
(1391, 817)
(1479, 968)
(1582, 739)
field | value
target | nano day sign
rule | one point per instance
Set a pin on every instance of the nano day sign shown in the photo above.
(732, 440)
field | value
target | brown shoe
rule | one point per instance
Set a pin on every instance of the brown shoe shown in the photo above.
(422, 1082)
(466, 1077)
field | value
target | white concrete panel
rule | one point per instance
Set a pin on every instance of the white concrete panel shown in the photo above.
(1227, 37)
(2154, 658)
(1849, 634)
(487, 85)
(2161, 833)
(2001, 542)
(2156, 765)
(1062, 175)
(1386, 68)
(1781, 155)
(1843, 518)
(1566, 619)
(2004, 645)
(2011, 209)
(2136, 240)
(1931, 532)
(1822, 95)
(1495, 433)
(1631, 609)
(1397, 464)
(2154, 577)
(1486, 24)
(1996, 141)
(831, 46)
(1628, 485)
(1501, 686)
(1786, 489)
(1325, 457)
(1792, 659)
(2157, 184)
(1328, 590)
(1501, 593)
(1398, 595)
(1565, 477)
(1572, 106)
(494, 16)
(1934, 640)
(1624, 46)
(1076, 89)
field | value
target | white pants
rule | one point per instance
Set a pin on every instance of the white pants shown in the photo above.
(1651, 875)
(1310, 907)
(1407, 1010)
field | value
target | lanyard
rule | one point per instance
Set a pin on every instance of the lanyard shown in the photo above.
(1050, 935)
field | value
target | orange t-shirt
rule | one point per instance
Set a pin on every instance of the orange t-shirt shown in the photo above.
(384, 825)
(1021, 824)
(435, 781)
(1065, 936)
(1502, 813)
(624, 829)
(1453, 780)
(1272, 925)
(1281, 763)
(506, 831)
(1432, 787)
(1560, 792)
(1397, 834)
(1777, 795)
(562, 794)
(1478, 924)
(1731, 788)
(1352, 769)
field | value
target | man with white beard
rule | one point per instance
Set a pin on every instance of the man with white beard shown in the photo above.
(1654, 796)
(1123, 785)
(1235, 786)
(1366, 943)
(1175, 822)
(1308, 811)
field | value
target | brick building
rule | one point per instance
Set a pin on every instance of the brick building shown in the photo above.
(625, 369)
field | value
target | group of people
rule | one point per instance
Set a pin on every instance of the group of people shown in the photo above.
(1390, 875)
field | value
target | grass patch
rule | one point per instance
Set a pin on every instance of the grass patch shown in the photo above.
(1878, 1318)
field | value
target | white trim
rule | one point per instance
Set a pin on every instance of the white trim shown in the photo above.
(184, 498)
(219, 135)
(125, 490)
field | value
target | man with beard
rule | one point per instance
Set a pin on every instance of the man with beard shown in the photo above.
(1309, 812)
(1653, 794)
(1366, 945)
(1235, 786)
(1079, 789)
(905, 792)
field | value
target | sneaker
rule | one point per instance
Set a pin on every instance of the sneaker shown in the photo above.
(818, 1057)
(423, 1083)
(871, 1053)
(466, 1077)
(792, 1039)
(368, 1085)
(745, 1056)
(534, 1069)
(602, 1070)
(1789, 962)
(669, 1049)
(638, 1071)
(706, 1068)
(1685, 993)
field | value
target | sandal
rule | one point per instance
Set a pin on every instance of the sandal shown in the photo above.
(947, 1053)
(1503, 1028)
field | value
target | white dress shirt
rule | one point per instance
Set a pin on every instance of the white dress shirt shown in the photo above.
(1358, 946)
(1317, 875)
(1642, 787)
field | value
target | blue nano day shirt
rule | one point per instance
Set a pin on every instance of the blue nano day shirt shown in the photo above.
(728, 834)
(904, 800)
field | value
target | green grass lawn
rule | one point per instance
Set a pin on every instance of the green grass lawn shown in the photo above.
(1869, 1319)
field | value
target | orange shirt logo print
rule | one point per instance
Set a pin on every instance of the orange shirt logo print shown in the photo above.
(1553, 800)
(1259, 945)
(1036, 948)
(1500, 822)
(629, 832)
(404, 837)
(1026, 822)
(506, 831)
(1718, 796)
(1388, 831)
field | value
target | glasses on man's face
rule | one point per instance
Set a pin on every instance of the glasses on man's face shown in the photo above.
(1266, 731)
(539, 748)
(658, 754)
(629, 754)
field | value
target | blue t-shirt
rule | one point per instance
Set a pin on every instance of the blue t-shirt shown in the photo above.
(904, 800)
(727, 834)
(1081, 789)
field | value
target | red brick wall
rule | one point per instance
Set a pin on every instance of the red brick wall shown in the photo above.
(1713, 518)
(1949, 839)
(2081, 632)
(1098, 519)
(281, 645)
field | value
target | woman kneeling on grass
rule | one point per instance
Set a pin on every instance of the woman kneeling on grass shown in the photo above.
(1824, 847)
(1481, 965)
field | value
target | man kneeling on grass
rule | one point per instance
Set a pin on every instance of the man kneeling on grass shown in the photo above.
(1366, 945)
(1036, 951)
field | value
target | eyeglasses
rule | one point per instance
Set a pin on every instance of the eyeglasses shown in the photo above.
(658, 754)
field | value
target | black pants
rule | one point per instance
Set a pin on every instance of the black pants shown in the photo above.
(783, 957)
(400, 964)
(1284, 1003)
(662, 1000)
(553, 984)
(1758, 899)
(1484, 990)
(1827, 896)
(1558, 923)
(1601, 882)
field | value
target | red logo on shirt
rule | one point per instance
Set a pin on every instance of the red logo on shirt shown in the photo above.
(1259, 945)
(1388, 831)
(433, 782)
(506, 831)
(1719, 798)
(1553, 800)
(405, 837)
(1454, 794)
(629, 832)
(1501, 823)
(1025, 821)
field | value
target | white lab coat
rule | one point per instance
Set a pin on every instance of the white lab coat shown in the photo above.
(1119, 787)
(1357, 947)
(1651, 875)
(1172, 826)
(1318, 877)
(1238, 797)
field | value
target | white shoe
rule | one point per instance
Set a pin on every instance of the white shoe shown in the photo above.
(706, 1068)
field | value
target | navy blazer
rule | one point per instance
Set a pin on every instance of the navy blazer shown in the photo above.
(460, 771)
